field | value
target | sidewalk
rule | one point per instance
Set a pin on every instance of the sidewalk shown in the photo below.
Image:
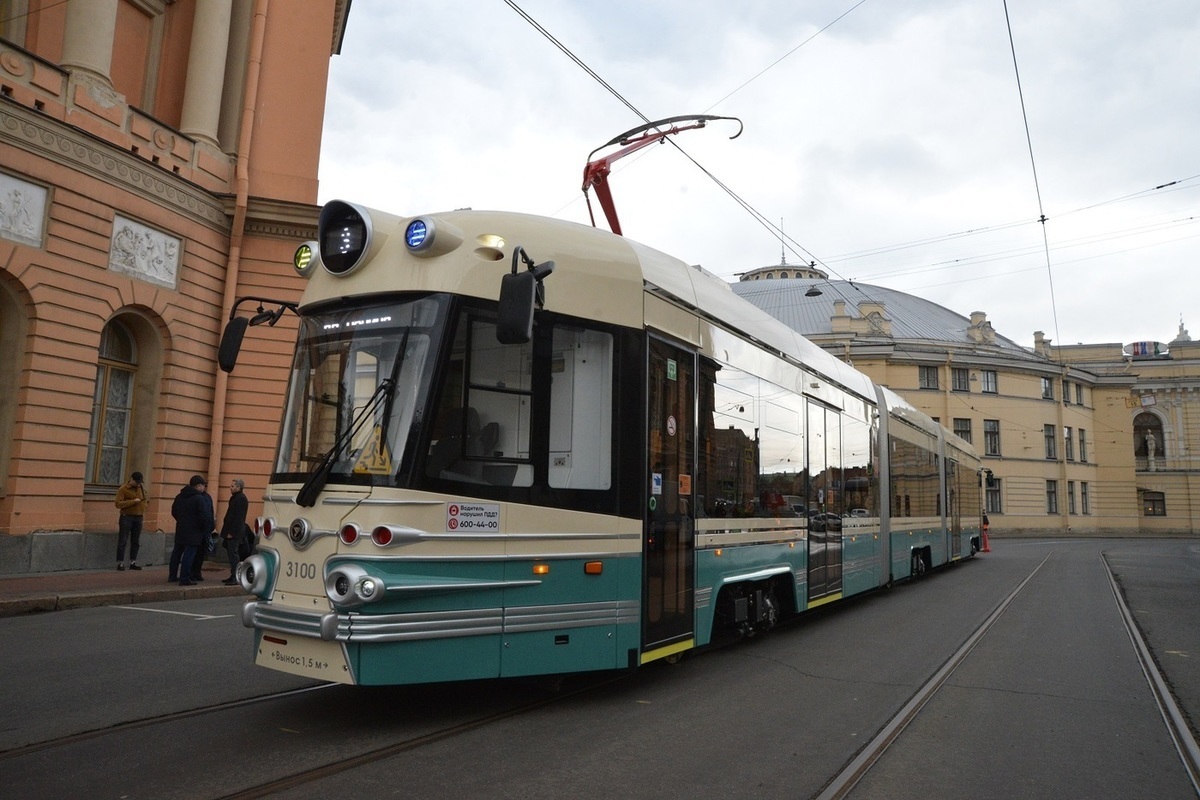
(59, 591)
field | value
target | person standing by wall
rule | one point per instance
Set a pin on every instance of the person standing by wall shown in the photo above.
(233, 529)
(131, 499)
(194, 521)
(209, 541)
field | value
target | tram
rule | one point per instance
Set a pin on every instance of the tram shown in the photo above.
(515, 446)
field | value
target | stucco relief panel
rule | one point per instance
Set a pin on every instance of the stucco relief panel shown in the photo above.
(143, 252)
(22, 210)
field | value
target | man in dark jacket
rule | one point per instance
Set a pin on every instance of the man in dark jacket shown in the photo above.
(194, 521)
(233, 529)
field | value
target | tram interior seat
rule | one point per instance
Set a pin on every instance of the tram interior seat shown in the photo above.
(459, 451)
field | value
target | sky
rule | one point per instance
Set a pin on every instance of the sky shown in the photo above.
(909, 144)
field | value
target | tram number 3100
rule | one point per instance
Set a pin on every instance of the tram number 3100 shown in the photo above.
(300, 569)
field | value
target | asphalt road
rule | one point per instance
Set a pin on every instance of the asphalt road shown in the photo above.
(1051, 702)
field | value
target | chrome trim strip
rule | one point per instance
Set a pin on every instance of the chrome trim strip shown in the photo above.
(356, 627)
(758, 575)
(455, 586)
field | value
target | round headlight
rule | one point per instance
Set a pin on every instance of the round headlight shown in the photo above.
(419, 234)
(344, 235)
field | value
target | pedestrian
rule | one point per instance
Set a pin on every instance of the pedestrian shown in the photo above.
(194, 521)
(131, 499)
(233, 529)
(208, 544)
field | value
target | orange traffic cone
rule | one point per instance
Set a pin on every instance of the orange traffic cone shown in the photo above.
(986, 547)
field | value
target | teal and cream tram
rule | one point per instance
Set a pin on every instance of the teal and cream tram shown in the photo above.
(516, 446)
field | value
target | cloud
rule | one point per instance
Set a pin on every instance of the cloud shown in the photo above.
(878, 141)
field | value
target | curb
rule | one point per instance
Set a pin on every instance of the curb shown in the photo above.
(70, 600)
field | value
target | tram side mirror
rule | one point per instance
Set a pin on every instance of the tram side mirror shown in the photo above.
(231, 343)
(521, 292)
(518, 291)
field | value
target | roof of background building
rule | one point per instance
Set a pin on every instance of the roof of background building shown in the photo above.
(912, 318)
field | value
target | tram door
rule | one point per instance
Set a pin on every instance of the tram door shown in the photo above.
(953, 509)
(669, 535)
(825, 501)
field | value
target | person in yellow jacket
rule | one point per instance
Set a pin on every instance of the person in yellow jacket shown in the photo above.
(131, 499)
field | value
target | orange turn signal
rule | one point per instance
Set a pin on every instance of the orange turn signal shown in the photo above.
(593, 567)
(541, 569)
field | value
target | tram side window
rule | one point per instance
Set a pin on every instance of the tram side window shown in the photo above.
(581, 409)
(861, 485)
(915, 482)
(730, 442)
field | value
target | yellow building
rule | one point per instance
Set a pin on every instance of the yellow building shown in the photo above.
(158, 159)
(1087, 439)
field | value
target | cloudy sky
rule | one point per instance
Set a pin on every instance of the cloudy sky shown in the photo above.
(885, 137)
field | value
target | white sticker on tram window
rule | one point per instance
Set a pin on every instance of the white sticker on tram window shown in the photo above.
(656, 483)
(471, 517)
(671, 425)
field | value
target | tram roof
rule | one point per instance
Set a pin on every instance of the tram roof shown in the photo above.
(595, 277)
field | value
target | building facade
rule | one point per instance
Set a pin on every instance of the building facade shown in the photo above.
(158, 160)
(1081, 440)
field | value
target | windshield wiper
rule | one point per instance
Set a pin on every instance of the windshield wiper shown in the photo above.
(318, 477)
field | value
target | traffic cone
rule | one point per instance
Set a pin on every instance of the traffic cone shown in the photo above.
(986, 547)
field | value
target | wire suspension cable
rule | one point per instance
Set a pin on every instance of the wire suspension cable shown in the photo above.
(1033, 165)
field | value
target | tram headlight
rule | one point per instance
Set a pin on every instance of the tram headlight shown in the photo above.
(254, 574)
(344, 236)
(429, 236)
(350, 586)
(306, 258)
(366, 588)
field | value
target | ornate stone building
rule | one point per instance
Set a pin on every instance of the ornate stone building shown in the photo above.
(1086, 439)
(158, 159)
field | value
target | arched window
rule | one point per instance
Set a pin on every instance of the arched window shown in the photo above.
(1147, 435)
(112, 406)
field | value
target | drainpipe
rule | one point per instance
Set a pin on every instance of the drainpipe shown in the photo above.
(258, 32)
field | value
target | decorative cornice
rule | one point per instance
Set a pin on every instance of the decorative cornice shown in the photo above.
(72, 148)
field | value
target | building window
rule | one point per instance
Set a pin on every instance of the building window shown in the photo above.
(1083, 498)
(1070, 497)
(990, 384)
(112, 407)
(1079, 394)
(928, 378)
(991, 437)
(962, 428)
(1147, 435)
(1154, 504)
(992, 496)
(1068, 443)
(1051, 497)
(1051, 443)
(1047, 388)
(1066, 393)
(1083, 446)
(960, 379)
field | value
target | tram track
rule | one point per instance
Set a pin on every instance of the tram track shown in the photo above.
(1173, 717)
(149, 722)
(842, 784)
(314, 774)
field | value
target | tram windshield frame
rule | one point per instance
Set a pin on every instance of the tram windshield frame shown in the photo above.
(355, 397)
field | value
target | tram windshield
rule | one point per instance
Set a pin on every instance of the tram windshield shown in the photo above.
(359, 381)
